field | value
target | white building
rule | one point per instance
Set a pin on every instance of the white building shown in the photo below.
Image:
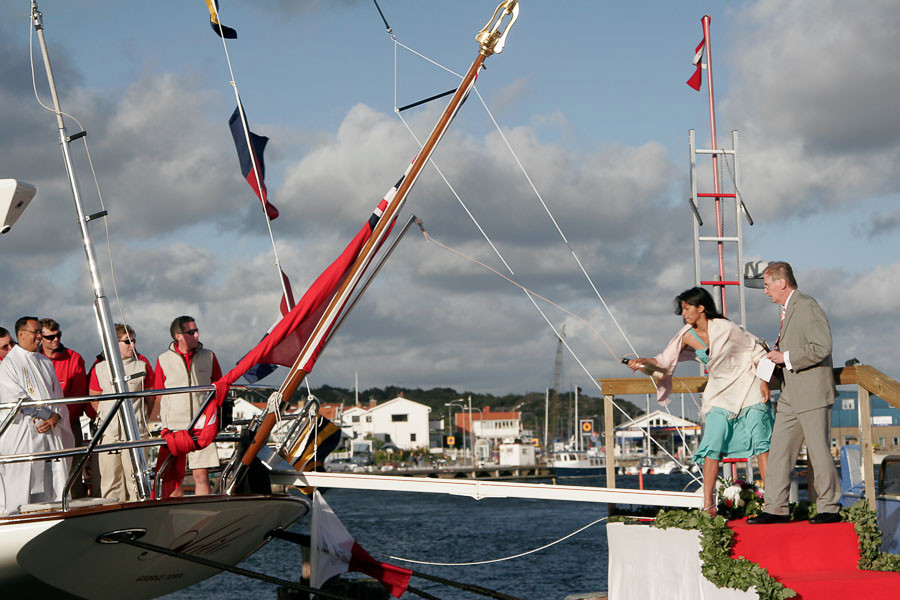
(405, 421)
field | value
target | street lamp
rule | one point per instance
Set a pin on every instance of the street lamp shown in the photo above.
(450, 406)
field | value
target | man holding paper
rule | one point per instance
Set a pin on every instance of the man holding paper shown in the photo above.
(803, 351)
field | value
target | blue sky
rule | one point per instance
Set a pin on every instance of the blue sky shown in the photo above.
(590, 94)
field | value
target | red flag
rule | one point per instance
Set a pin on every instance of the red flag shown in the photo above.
(696, 79)
(334, 551)
(282, 346)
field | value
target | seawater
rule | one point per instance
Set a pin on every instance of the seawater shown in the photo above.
(451, 529)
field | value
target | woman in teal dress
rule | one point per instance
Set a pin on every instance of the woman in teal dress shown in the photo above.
(735, 402)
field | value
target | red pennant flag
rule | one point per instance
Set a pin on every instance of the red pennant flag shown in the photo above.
(696, 79)
(334, 551)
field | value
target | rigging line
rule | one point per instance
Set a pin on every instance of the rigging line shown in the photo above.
(496, 560)
(253, 159)
(553, 220)
(386, 25)
(490, 242)
(112, 268)
(430, 238)
(584, 368)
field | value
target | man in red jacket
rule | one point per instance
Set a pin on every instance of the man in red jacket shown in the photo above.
(73, 379)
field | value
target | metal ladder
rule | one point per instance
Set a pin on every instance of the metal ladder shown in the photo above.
(720, 200)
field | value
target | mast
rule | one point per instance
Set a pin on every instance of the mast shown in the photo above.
(491, 40)
(108, 337)
(720, 246)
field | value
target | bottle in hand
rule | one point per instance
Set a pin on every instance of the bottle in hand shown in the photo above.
(648, 369)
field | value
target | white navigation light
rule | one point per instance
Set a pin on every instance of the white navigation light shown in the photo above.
(14, 198)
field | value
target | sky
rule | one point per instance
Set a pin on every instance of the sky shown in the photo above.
(591, 97)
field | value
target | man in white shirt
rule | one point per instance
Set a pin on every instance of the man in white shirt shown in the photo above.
(27, 373)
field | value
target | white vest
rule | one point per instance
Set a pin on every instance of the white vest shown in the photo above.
(176, 411)
(116, 431)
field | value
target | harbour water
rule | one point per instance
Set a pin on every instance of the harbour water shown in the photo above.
(449, 529)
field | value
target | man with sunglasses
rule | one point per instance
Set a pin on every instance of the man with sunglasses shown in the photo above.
(6, 343)
(69, 367)
(187, 363)
(116, 470)
(27, 374)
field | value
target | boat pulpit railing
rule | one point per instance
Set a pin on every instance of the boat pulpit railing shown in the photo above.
(229, 482)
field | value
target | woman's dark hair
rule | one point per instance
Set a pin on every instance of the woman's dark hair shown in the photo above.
(697, 296)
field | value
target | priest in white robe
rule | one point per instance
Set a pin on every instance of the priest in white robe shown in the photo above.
(27, 373)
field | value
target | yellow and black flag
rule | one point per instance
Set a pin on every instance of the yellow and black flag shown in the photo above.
(226, 32)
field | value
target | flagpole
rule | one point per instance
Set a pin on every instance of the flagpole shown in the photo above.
(720, 246)
(253, 159)
(491, 41)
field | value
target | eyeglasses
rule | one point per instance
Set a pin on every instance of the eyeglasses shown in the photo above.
(32, 331)
(53, 336)
(127, 342)
(191, 331)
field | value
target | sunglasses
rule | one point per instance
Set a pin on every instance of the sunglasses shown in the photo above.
(54, 336)
(128, 342)
(191, 331)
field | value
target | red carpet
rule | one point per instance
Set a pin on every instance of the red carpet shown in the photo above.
(816, 561)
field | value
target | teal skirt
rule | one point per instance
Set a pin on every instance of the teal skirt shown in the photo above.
(727, 436)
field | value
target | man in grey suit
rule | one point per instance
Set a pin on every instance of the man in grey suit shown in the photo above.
(803, 350)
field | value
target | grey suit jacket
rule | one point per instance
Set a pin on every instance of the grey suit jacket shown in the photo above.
(806, 335)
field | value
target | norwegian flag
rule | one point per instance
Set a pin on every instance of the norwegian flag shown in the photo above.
(696, 79)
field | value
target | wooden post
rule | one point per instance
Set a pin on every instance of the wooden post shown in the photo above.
(609, 430)
(865, 444)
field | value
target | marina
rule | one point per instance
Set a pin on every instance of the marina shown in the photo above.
(477, 502)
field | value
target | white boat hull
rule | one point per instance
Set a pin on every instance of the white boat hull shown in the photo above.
(58, 553)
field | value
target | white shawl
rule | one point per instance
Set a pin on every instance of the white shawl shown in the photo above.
(733, 354)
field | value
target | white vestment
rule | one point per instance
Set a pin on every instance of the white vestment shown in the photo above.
(31, 375)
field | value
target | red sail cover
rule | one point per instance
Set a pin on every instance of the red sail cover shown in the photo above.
(280, 346)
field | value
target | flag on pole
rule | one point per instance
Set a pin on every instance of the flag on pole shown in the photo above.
(226, 32)
(316, 441)
(261, 370)
(252, 166)
(334, 551)
(696, 79)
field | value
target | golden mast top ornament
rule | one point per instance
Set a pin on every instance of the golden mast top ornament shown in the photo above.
(491, 39)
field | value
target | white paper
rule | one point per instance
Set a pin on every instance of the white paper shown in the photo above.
(765, 368)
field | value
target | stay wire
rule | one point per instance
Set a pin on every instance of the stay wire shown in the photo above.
(499, 255)
(246, 128)
(87, 150)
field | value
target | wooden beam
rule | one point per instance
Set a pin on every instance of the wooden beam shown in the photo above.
(878, 383)
(865, 445)
(644, 385)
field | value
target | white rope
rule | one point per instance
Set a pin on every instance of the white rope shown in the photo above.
(246, 127)
(499, 255)
(496, 560)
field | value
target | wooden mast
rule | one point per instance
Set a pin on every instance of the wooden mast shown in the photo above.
(491, 40)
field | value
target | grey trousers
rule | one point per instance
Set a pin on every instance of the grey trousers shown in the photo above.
(791, 428)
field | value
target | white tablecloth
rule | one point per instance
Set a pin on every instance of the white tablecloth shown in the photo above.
(646, 563)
